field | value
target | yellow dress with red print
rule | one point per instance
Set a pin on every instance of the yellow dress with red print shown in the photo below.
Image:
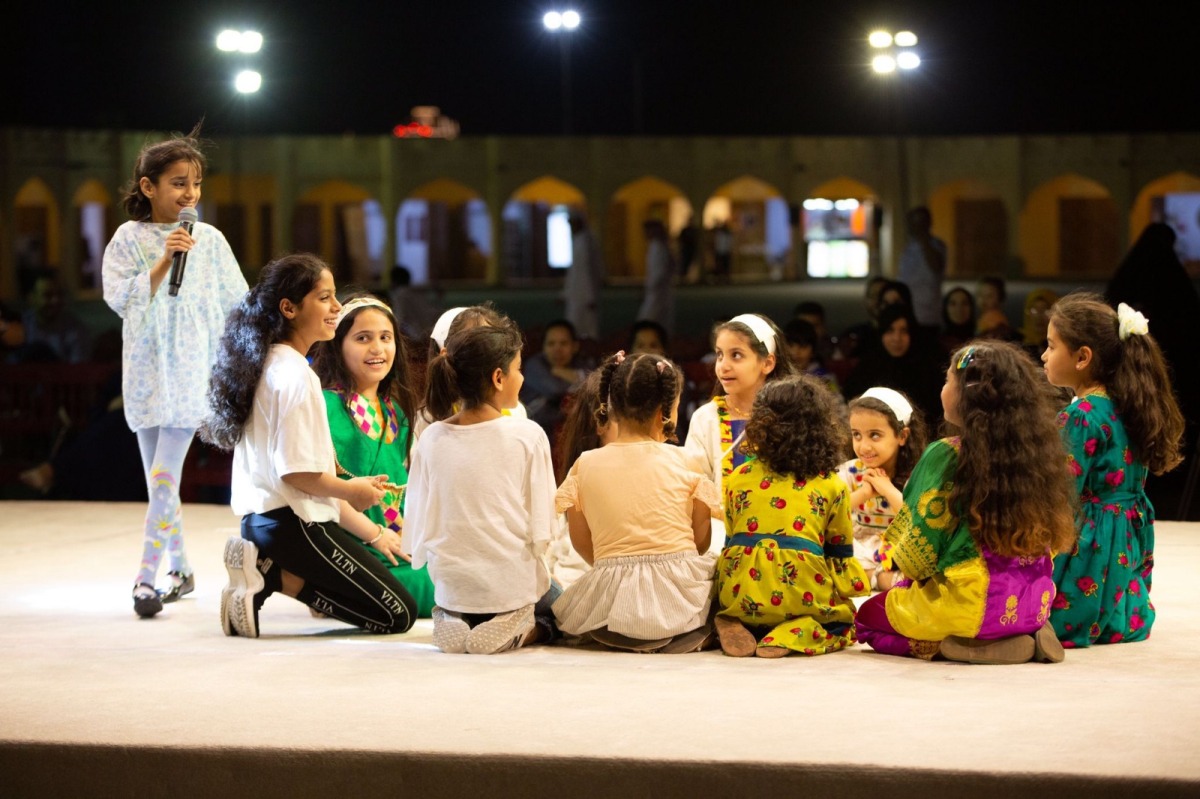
(788, 569)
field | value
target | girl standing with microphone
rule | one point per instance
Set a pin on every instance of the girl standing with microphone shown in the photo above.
(170, 342)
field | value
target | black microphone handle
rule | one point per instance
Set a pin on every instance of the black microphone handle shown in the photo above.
(178, 264)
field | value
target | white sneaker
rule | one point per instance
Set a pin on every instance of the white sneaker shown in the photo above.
(238, 616)
(504, 632)
(449, 631)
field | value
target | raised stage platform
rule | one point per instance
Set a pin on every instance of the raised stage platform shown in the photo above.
(95, 702)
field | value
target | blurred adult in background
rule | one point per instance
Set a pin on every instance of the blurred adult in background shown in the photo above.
(722, 240)
(689, 248)
(415, 310)
(903, 361)
(803, 340)
(958, 319)
(551, 375)
(1152, 280)
(990, 294)
(52, 332)
(814, 313)
(649, 337)
(995, 325)
(922, 267)
(658, 302)
(583, 281)
(1037, 317)
(854, 336)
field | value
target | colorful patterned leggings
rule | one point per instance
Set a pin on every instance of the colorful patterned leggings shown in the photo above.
(163, 450)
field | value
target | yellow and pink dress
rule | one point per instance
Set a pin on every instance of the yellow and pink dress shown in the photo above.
(951, 585)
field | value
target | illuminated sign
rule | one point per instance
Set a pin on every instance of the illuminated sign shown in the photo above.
(427, 123)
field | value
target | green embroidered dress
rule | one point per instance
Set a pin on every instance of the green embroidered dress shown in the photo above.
(366, 444)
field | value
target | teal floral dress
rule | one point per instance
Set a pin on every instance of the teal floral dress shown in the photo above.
(1104, 582)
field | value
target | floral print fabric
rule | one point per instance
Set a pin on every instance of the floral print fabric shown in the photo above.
(788, 570)
(1104, 582)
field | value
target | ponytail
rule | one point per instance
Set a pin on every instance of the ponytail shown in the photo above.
(1140, 387)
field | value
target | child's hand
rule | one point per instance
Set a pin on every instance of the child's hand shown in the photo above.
(389, 545)
(363, 492)
(878, 479)
(179, 241)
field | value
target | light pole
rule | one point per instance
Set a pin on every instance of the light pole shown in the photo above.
(892, 57)
(564, 23)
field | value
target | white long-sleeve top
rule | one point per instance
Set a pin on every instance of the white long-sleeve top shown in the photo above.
(480, 512)
(704, 451)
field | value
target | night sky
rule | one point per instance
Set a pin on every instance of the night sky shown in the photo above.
(655, 67)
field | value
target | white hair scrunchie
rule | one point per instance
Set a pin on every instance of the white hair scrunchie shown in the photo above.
(760, 328)
(894, 400)
(1131, 322)
(441, 329)
(361, 302)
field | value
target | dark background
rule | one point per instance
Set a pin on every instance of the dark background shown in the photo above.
(703, 67)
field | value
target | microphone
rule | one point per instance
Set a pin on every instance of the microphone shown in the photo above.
(187, 218)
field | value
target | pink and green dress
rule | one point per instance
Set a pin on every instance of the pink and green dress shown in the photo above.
(951, 585)
(1104, 583)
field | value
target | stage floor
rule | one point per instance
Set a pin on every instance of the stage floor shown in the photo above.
(79, 673)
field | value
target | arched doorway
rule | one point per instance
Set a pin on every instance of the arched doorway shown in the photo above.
(1174, 199)
(242, 207)
(639, 201)
(838, 222)
(36, 225)
(443, 233)
(1068, 227)
(344, 225)
(537, 232)
(758, 218)
(969, 215)
(92, 204)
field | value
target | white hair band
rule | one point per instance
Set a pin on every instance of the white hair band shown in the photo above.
(760, 327)
(441, 330)
(361, 302)
(894, 400)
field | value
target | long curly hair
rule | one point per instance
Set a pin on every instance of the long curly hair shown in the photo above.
(795, 427)
(330, 364)
(1133, 371)
(918, 433)
(1011, 483)
(640, 387)
(252, 328)
(152, 161)
(464, 372)
(784, 365)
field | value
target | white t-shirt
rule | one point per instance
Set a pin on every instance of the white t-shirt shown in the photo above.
(480, 512)
(288, 432)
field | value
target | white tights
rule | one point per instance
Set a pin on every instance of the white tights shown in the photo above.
(163, 451)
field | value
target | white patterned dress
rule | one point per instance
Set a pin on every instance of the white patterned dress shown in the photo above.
(169, 343)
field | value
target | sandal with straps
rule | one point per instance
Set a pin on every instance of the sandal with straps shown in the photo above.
(186, 585)
(146, 605)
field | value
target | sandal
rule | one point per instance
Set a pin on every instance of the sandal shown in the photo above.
(146, 603)
(186, 585)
